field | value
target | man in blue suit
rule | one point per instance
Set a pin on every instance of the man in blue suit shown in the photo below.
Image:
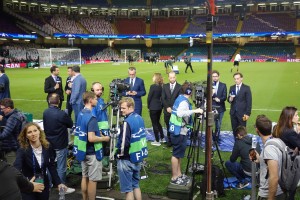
(78, 88)
(219, 97)
(137, 89)
(240, 98)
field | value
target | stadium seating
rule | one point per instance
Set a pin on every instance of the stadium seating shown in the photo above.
(172, 25)
(220, 51)
(269, 22)
(130, 26)
(96, 25)
(197, 25)
(80, 2)
(226, 24)
(128, 3)
(8, 25)
(65, 24)
(268, 51)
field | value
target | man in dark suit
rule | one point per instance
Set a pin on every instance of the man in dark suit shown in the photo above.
(169, 94)
(4, 84)
(68, 90)
(219, 97)
(56, 123)
(137, 89)
(53, 84)
(240, 99)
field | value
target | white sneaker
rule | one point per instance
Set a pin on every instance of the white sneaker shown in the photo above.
(155, 143)
(163, 140)
(70, 190)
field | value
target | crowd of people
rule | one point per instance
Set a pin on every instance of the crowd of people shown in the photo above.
(41, 155)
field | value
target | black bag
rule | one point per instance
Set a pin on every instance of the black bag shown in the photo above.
(217, 182)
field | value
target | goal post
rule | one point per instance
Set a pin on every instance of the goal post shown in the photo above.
(135, 54)
(59, 57)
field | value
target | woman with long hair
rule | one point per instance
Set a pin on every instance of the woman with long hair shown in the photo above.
(33, 159)
(287, 127)
(287, 130)
(155, 108)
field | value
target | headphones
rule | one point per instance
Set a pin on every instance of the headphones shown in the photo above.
(92, 89)
(189, 89)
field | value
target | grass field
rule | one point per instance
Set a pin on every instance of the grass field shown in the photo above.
(273, 86)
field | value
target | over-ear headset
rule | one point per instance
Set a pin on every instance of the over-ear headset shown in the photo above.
(92, 89)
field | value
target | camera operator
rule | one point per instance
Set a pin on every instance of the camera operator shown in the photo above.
(180, 122)
(219, 98)
(131, 149)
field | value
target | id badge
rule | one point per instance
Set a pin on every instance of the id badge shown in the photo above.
(39, 178)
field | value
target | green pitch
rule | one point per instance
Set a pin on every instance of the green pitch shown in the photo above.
(273, 86)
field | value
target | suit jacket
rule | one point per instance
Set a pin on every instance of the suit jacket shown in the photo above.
(56, 123)
(24, 163)
(139, 87)
(154, 97)
(222, 95)
(68, 80)
(4, 80)
(242, 102)
(168, 99)
(78, 88)
(49, 87)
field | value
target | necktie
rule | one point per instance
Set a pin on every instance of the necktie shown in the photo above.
(172, 88)
(237, 89)
(131, 83)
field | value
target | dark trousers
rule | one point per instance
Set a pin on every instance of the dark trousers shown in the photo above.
(187, 66)
(235, 168)
(167, 117)
(235, 122)
(69, 106)
(157, 128)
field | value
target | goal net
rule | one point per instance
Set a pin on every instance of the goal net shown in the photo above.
(133, 54)
(59, 57)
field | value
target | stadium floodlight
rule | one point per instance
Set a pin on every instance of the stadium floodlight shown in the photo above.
(134, 53)
(59, 56)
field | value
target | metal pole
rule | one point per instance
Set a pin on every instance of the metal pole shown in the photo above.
(209, 114)
(253, 183)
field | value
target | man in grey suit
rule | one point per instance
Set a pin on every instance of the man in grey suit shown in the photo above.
(240, 98)
(170, 92)
(78, 88)
(219, 97)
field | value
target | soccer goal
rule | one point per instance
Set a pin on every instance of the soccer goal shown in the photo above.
(133, 54)
(59, 57)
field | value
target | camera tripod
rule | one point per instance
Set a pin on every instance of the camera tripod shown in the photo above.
(114, 132)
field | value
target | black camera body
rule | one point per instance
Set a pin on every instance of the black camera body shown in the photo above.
(117, 87)
(200, 93)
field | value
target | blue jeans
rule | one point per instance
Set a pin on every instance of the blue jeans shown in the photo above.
(235, 168)
(129, 174)
(77, 108)
(61, 157)
(218, 123)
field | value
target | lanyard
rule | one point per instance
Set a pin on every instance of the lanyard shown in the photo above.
(34, 164)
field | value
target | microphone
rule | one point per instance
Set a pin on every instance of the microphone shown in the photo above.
(254, 142)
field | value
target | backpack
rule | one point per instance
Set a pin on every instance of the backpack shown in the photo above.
(290, 169)
(217, 182)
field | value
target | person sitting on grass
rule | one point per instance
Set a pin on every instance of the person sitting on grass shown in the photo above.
(241, 170)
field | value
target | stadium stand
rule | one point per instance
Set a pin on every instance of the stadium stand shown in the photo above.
(226, 24)
(172, 25)
(96, 25)
(66, 24)
(263, 51)
(128, 3)
(269, 22)
(8, 24)
(130, 26)
(197, 25)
